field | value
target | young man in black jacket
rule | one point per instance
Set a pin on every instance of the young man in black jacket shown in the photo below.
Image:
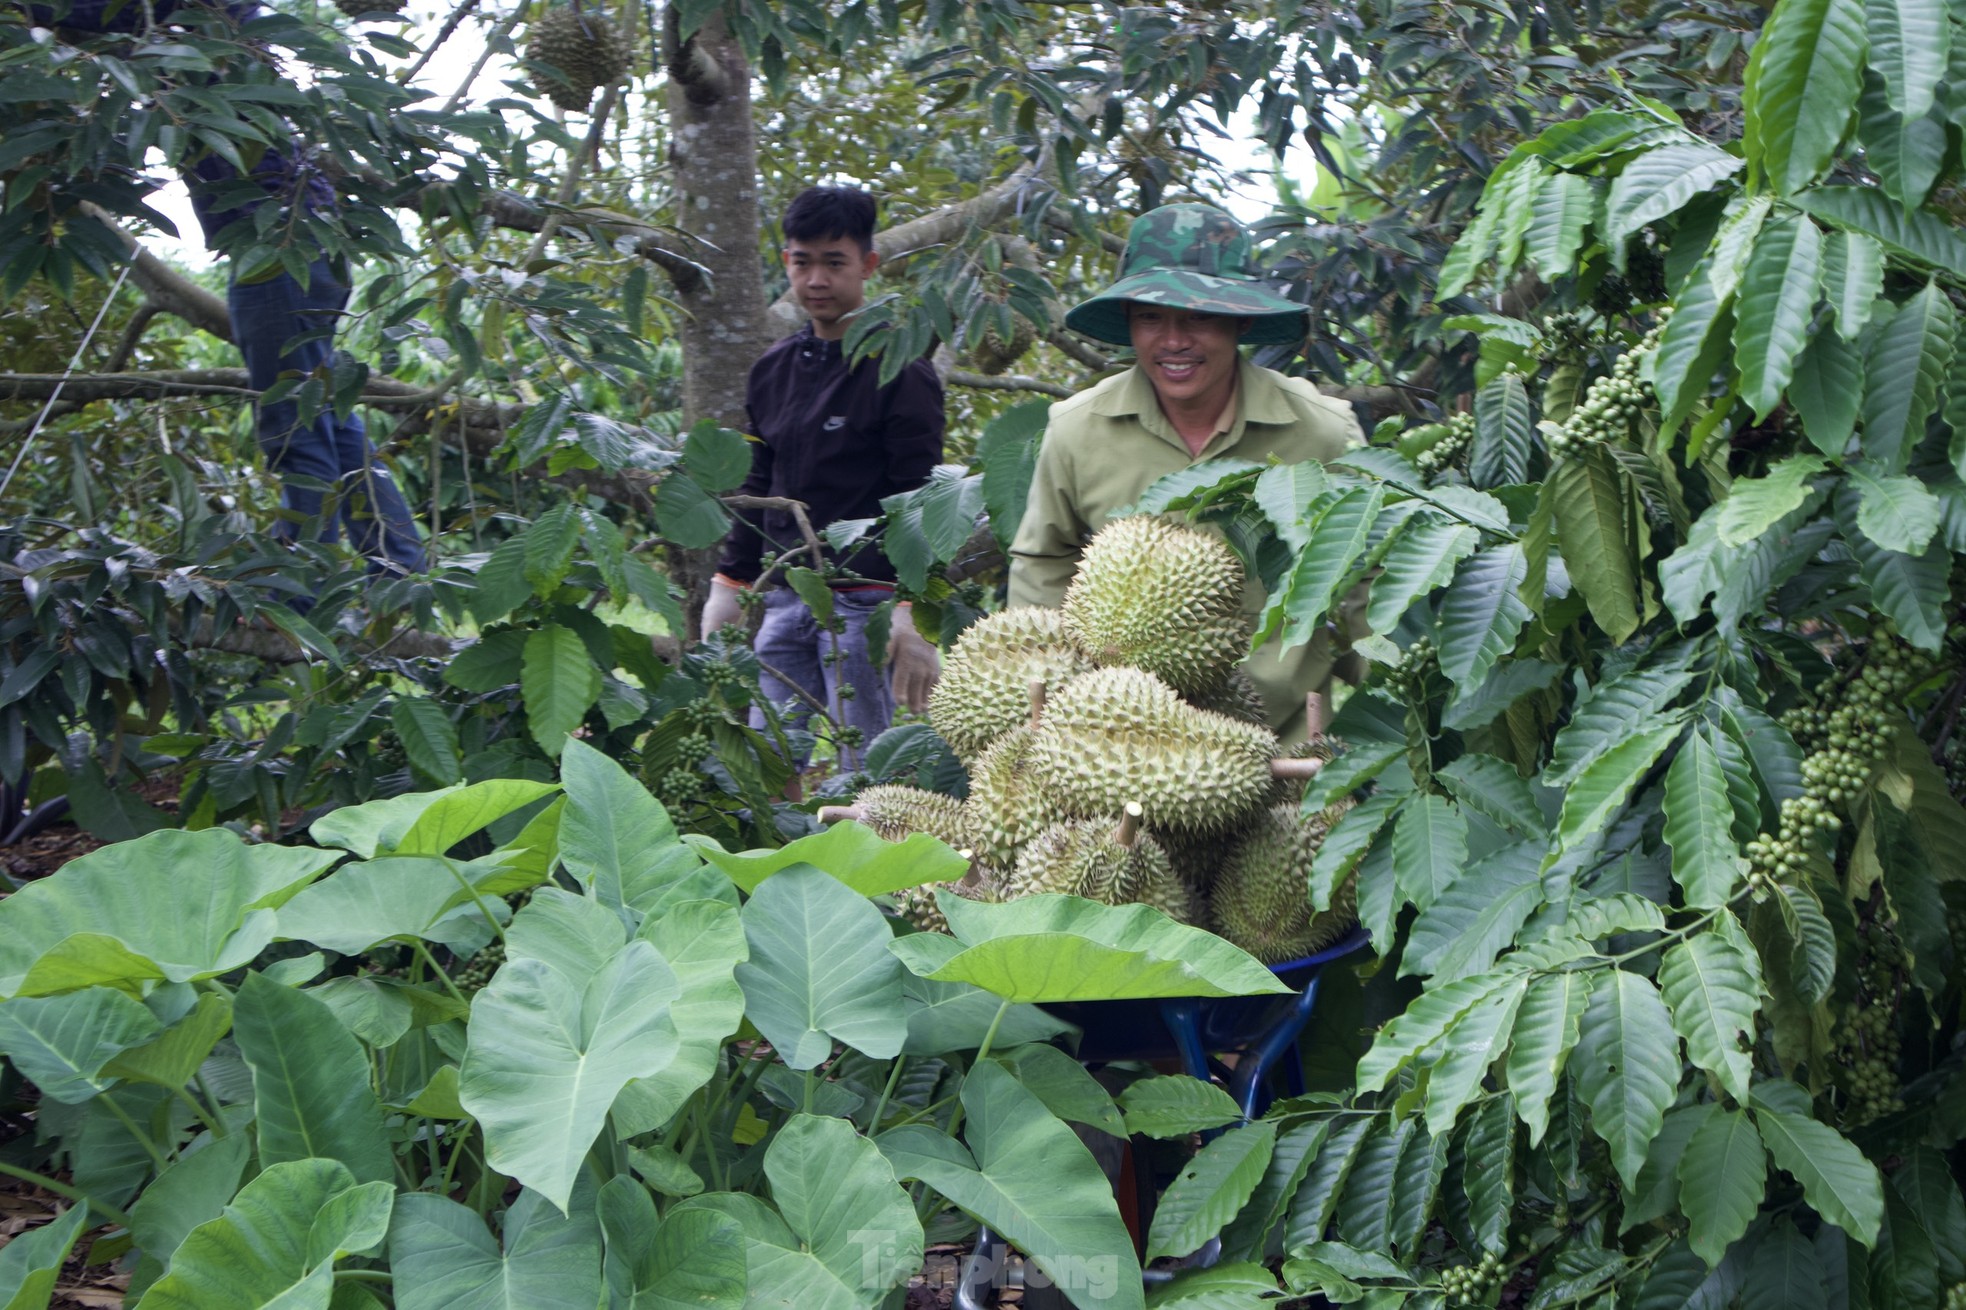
(832, 437)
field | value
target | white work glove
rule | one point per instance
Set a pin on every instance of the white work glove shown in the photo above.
(914, 663)
(723, 607)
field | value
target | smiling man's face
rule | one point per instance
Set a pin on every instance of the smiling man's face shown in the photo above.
(1189, 356)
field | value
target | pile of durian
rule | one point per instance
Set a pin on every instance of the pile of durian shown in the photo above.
(1116, 752)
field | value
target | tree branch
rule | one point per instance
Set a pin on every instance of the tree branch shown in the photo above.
(1007, 382)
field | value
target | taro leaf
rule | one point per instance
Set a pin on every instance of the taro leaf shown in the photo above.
(703, 941)
(850, 852)
(839, 1197)
(1712, 984)
(1627, 1066)
(690, 1260)
(443, 1259)
(946, 1016)
(1211, 1189)
(574, 934)
(547, 1056)
(61, 1043)
(1837, 1181)
(560, 683)
(1545, 1032)
(1175, 1105)
(172, 1058)
(1723, 1175)
(615, 837)
(174, 905)
(277, 1242)
(425, 823)
(311, 1088)
(1801, 82)
(1032, 1181)
(366, 903)
(32, 1261)
(1063, 948)
(1063, 1084)
(778, 1271)
(801, 988)
(192, 1191)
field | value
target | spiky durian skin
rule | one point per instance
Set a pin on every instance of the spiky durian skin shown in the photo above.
(1005, 808)
(985, 687)
(1236, 696)
(1079, 857)
(585, 47)
(894, 812)
(1157, 595)
(1158, 884)
(1261, 899)
(1117, 735)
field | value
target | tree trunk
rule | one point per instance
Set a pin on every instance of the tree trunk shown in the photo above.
(715, 157)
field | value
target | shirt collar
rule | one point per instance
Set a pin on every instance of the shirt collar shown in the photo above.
(1258, 399)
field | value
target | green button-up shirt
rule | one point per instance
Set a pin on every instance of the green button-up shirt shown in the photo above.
(1108, 444)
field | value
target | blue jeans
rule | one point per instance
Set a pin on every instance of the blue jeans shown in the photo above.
(330, 451)
(793, 644)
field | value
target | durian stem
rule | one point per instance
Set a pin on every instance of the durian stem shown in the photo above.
(1129, 829)
(1293, 768)
(1314, 720)
(1037, 700)
(839, 813)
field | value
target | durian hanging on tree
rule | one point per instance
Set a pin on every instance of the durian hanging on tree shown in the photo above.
(576, 50)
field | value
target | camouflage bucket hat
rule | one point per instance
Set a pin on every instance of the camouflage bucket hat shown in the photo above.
(1190, 257)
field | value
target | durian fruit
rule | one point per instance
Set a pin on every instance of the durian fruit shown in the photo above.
(1157, 595)
(1108, 860)
(985, 687)
(1236, 696)
(895, 812)
(1006, 808)
(1261, 898)
(990, 354)
(586, 49)
(1115, 735)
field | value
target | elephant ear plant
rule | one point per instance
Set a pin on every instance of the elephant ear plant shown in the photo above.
(354, 1074)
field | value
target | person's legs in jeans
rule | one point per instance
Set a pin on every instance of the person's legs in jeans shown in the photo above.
(795, 649)
(265, 316)
(789, 658)
(872, 708)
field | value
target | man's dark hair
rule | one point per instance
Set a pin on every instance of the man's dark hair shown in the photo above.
(828, 213)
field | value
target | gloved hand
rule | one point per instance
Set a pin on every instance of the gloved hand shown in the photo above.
(723, 607)
(915, 663)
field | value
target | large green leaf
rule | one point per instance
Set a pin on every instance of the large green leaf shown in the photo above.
(1626, 1065)
(1211, 1190)
(1658, 184)
(1837, 1181)
(1430, 844)
(1754, 505)
(192, 1191)
(1784, 1273)
(1477, 917)
(1338, 538)
(1416, 1028)
(689, 1260)
(945, 1017)
(312, 1095)
(1909, 44)
(1461, 1058)
(1545, 1032)
(1034, 1182)
(1691, 348)
(548, 1054)
(61, 1043)
(1562, 209)
(1602, 789)
(1062, 1083)
(1482, 612)
(1007, 452)
(1595, 511)
(802, 991)
(427, 822)
(1712, 983)
(400, 898)
(1801, 83)
(1064, 948)
(839, 1197)
(1488, 1172)
(1723, 1174)
(778, 1271)
(1420, 560)
(1285, 492)
(688, 515)
(441, 1257)
(1492, 787)
(172, 905)
(850, 852)
(616, 838)
(1905, 363)
(1911, 589)
(1657, 1191)
(1365, 1208)
(560, 683)
(1605, 718)
(1778, 298)
(1251, 1234)
(1503, 432)
(1921, 234)
(1853, 279)
(32, 1260)
(1175, 1105)
(1706, 863)
(276, 1244)
(1828, 390)
(1906, 152)
(1926, 1184)
(1325, 1181)
(1897, 513)
(715, 456)
(703, 941)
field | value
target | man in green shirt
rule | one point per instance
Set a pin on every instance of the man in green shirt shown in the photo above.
(1185, 302)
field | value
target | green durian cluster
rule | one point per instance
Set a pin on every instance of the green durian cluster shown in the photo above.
(585, 48)
(985, 687)
(1261, 898)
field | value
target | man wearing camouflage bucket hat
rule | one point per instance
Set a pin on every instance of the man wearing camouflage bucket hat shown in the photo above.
(1186, 299)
